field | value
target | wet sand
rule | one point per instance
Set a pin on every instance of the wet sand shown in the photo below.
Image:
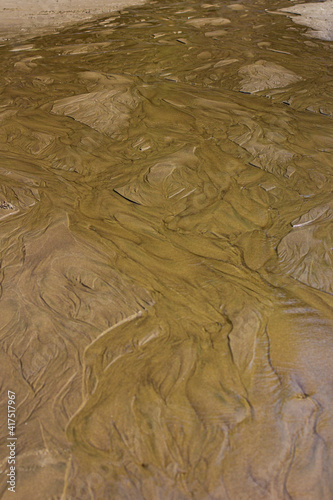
(166, 256)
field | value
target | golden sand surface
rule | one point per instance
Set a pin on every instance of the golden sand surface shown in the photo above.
(166, 257)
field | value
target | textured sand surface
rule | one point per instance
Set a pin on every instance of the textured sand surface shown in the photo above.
(19, 18)
(166, 284)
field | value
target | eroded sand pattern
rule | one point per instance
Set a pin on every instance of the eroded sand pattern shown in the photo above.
(166, 256)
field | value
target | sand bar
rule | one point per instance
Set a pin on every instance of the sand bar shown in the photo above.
(318, 16)
(21, 18)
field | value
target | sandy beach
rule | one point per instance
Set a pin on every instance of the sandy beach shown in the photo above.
(22, 18)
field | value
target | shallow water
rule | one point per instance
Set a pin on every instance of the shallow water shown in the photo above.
(166, 256)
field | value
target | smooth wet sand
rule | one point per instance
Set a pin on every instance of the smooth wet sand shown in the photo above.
(166, 256)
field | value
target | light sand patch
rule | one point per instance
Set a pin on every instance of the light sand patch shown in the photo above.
(305, 254)
(106, 110)
(318, 16)
(211, 21)
(22, 18)
(216, 33)
(236, 7)
(265, 75)
(225, 62)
